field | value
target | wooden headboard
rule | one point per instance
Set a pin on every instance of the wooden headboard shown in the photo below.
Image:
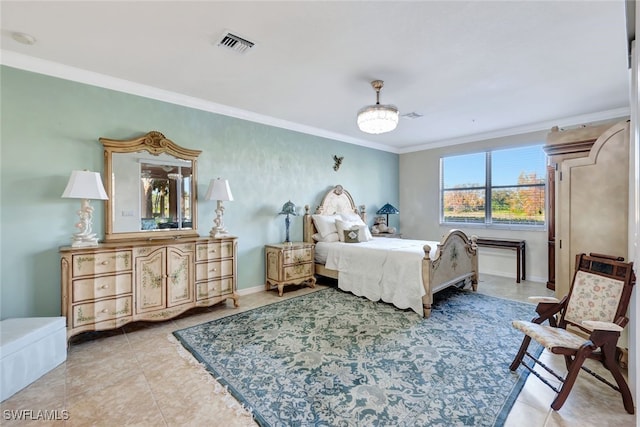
(336, 201)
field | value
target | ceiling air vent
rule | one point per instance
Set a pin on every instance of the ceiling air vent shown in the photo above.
(236, 43)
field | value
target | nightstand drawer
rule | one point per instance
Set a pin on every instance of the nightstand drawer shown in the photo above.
(101, 263)
(298, 255)
(101, 287)
(214, 250)
(298, 271)
(214, 269)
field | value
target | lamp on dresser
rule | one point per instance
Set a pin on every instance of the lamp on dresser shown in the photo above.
(219, 190)
(85, 185)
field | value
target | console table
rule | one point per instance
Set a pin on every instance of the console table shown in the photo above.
(515, 244)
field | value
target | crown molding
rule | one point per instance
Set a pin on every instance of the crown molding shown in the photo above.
(584, 119)
(54, 69)
(66, 72)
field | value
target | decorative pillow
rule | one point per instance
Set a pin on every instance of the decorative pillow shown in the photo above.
(351, 236)
(354, 217)
(344, 226)
(325, 224)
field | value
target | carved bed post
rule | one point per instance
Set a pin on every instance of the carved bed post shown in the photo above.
(473, 250)
(307, 225)
(427, 299)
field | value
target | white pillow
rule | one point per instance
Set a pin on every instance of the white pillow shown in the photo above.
(333, 237)
(325, 224)
(349, 225)
(354, 217)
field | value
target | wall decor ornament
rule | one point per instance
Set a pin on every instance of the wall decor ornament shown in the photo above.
(338, 162)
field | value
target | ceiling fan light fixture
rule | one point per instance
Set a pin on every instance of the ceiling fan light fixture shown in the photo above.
(378, 118)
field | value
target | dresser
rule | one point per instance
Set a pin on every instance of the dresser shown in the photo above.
(289, 264)
(112, 284)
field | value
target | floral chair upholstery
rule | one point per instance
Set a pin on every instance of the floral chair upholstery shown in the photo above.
(584, 324)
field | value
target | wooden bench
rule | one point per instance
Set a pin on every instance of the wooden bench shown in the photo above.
(515, 244)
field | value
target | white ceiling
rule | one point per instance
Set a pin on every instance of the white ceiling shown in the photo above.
(472, 69)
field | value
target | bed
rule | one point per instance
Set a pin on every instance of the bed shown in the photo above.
(403, 272)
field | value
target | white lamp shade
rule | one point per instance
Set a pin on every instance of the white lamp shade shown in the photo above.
(219, 190)
(85, 185)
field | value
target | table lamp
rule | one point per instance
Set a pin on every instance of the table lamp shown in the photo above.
(85, 185)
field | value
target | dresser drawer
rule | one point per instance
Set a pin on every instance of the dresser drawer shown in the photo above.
(100, 263)
(101, 311)
(214, 250)
(298, 271)
(214, 269)
(101, 287)
(214, 288)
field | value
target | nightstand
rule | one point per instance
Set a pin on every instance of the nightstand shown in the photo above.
(289, 264)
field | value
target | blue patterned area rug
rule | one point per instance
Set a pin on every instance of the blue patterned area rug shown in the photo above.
(330, 358)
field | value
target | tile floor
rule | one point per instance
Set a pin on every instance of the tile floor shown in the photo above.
(139, 375)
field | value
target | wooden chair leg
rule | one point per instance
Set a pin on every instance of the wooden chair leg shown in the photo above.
(570, 379)
(523, 348)
(609, 362)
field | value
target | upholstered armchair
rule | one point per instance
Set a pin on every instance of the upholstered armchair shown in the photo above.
(585, 324)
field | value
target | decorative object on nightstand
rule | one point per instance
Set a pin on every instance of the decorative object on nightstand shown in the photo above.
(219, 190)
(387, 210)
(289, 264)
(380, 227)
(288, 209)
(85, 185)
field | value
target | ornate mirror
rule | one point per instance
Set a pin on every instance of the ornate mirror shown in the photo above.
(151, 184)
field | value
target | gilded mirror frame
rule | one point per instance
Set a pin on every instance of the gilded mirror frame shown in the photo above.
(155, 143)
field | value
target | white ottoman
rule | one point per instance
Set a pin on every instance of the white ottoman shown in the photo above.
(29, 348)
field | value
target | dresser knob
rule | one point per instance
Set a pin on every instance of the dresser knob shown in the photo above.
(213, 251)
(105, 262)
(104, 287)
(104, 310)
(213, 270)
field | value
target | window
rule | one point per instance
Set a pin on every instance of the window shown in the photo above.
(512, 179)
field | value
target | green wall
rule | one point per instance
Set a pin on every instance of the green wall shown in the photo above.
(51, 126)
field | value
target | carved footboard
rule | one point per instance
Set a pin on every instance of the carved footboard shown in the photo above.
(455, 261)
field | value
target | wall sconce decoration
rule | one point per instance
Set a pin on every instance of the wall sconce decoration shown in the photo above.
(338, 162)
(85, 185)
(219, 190)
(288, 209)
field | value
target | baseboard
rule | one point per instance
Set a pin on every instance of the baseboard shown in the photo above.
(512, 275)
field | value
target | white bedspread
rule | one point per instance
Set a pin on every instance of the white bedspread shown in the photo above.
(381, 269)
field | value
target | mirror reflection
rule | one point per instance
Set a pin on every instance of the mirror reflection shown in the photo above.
(151, 183)
(166, 200)
(153, 192)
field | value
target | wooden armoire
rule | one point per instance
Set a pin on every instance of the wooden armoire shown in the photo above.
(588, 196)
